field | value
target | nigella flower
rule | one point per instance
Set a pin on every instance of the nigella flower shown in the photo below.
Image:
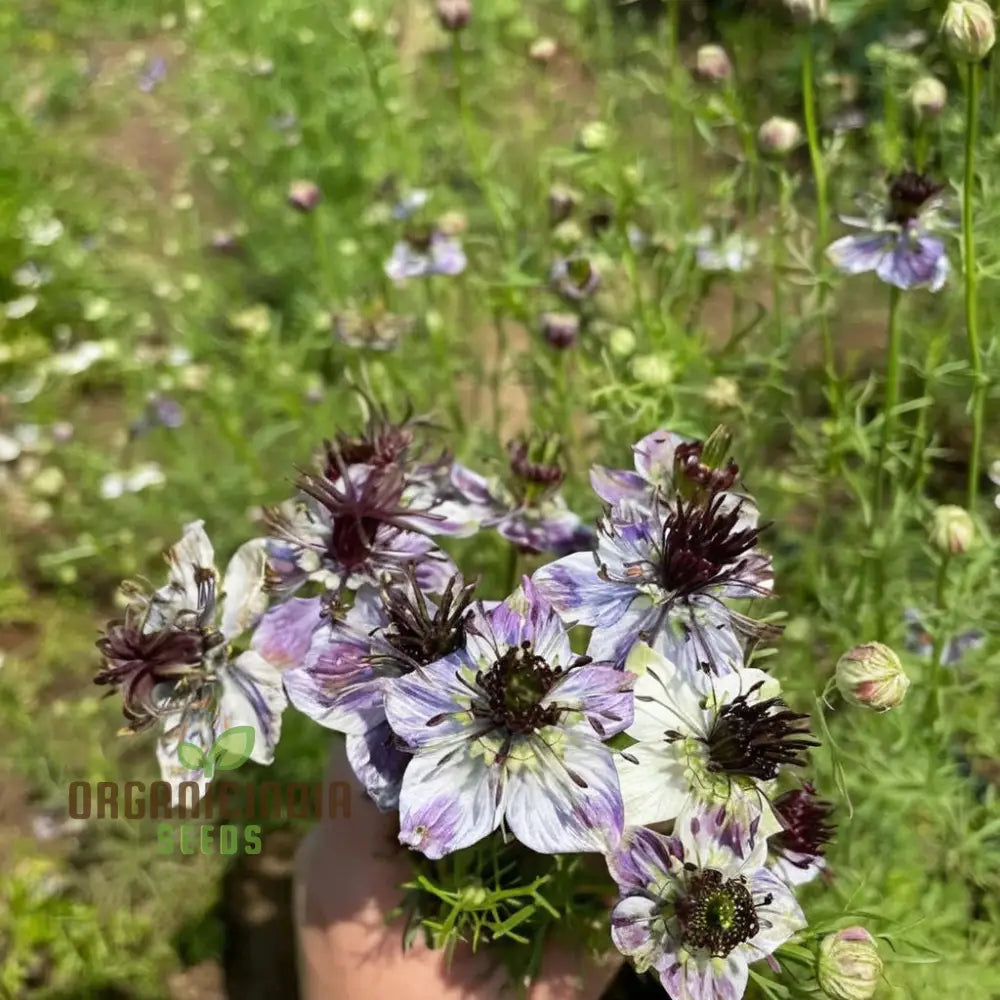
(897, 243)
(919, 640)
(366, 513)
(575, 278)
(344, 669)
(668, 465)
(707, 748)
(660, 576)
(374, 328)
(797, 850)
(695, 913)
(423, 253)
(152, 74)
(161, 411)
(510, 730)
(172, 662)
(526, 508)
(734, 253)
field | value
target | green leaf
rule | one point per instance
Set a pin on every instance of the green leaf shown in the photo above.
(191, 756)
(233, 748)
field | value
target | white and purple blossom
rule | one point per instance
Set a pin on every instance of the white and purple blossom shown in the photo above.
(424, 253)
(707, 744)
(797, 850)
(897, 242)
(661, 575)
(344, 667)
(510, 730)
(525, 507)
(575, 278)
(695, 913)
(172, 659)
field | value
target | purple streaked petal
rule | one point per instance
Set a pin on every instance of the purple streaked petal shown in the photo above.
(615, 485)
(548, 810)
(915, 263)
(575, 590)
(602, 693)
(378, 764)
(858, 254)
(545, 530)
(654, 457)
(526, 616)
(447, 255)
(614, 643)
(252, 695)
(632, 922)
(449, 799)
(430, 705)
(193, 726)
(473, 486)
(707, 978)
(780, 918)
(703, 640)
(644, 859)
(285, 632)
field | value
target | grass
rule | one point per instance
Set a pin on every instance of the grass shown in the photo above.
(258, 95)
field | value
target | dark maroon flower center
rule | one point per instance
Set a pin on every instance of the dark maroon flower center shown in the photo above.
(514, 688)
(909, 191)
(716, 914)
(757, 739)
(805, 818)
(689, 465)
(702, 545)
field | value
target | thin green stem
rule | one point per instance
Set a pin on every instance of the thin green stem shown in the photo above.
(941, 605)
(978, 400)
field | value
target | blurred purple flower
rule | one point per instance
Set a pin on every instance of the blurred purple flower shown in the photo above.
(896, 242)
(152, 74)
(422, 254)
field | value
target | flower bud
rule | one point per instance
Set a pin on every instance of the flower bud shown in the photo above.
(560, 329)
(711, 63)
(362, 22)
(779, 136)
(454, 15)
(953, 531)
(871, 676)
(809, 11)
(849, 965)
(969, 29)
(722, 393)
(928, 97)
(543, 50)
(567, 235)
(593, 137)
(562, 201)
(621, 341)
(653, 370)
(303, 195)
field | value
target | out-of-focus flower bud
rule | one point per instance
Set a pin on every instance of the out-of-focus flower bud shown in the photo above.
(779, 136)
(969, 29)
(871, 676)
(928, 97)
(722, 393)
(594, 137)
(849, 965)
(543, 50)
(452, 223)
(809, 11)
(562, 201)
(953, 531)
(454, 15)
(362, 22)
(653, 370)
(303, 195)
(711, 63)
(621, 341)
(560, 329)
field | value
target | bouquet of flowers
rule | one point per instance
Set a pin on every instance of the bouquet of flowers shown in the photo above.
(610, 713)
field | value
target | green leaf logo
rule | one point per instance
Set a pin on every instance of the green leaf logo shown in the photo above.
(191, 756)
(228, 752)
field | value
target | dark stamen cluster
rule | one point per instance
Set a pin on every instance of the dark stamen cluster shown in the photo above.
(137, 661)
(688, 460)
(536, 473)
(515, 686)
(702, 546)
(908, 192)
(357, 509)
(415, 634)
(805, 818)
(381, 443)
(419, 238)
(716, 914)
(757, 739)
